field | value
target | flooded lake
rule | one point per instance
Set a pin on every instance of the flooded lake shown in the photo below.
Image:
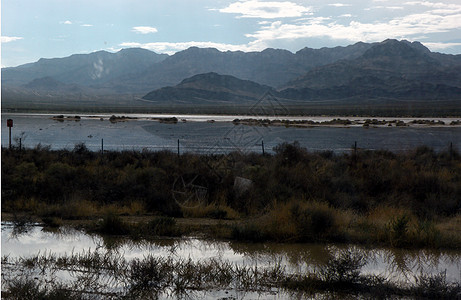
(200, 134)
(398, 265)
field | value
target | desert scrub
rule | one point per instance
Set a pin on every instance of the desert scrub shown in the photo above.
(80, 184)
(296, 221)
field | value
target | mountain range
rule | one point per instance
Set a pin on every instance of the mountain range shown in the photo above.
(387, 71)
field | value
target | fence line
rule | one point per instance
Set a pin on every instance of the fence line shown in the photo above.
(217, 149)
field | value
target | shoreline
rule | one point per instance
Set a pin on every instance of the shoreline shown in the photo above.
(286, 121)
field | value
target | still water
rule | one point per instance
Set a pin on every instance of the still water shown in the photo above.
(399, 265)
(217, 134)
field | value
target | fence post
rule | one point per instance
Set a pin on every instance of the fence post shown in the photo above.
(262, 145)
(178, 147)
(102, 146)
(354, 155)
(20, 144)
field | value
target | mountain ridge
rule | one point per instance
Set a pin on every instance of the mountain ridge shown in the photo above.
(387, 70)
(81, 69)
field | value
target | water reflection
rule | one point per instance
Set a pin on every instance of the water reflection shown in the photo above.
(203, 137)
(398, 265)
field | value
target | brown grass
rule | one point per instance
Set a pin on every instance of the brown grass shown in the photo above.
(212, 210)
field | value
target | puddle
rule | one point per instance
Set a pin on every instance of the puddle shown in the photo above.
(398, 265)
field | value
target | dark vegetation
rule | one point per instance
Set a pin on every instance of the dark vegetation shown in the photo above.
(410, 199)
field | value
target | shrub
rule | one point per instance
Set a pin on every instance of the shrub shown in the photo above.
(289, 154)
(249, 232)
(398, 230)
(163, 226)
(112, 224)
(313, 220)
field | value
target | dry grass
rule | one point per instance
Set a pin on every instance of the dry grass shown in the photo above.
(381, 215)
(134, 208)
(450, 225)
(212, 210)
(293, 221)
(73, 210)
(449, 229)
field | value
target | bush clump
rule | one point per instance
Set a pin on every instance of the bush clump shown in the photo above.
(163, 226)
(112, 224)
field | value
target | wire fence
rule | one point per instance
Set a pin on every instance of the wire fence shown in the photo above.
(223, 147)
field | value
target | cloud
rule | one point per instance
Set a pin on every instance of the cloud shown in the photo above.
(8, 39)
(404, 27)
(144, 29)
(171, 48)
(275, 27)
(67, 22)
(386, 7)
(441, 46)
(438, 8)
(266, 10)
(338, 4)
(86, 25)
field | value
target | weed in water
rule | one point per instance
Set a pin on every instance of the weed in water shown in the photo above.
(436, 287)
(30, 289)
(344, 267)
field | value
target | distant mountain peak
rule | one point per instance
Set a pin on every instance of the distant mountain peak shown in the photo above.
(392, 47)
(214, 80)
(204, 76)
(211, 86)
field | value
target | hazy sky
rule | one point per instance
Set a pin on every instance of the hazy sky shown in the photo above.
(32, 29)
